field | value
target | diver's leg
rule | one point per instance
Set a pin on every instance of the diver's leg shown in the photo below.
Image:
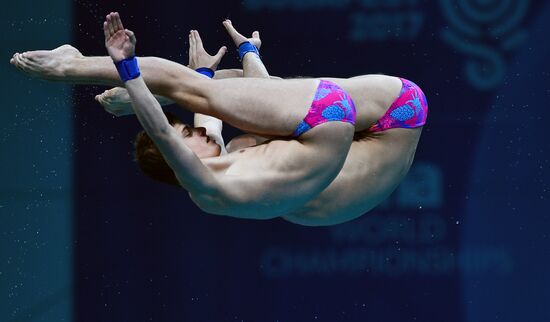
(67, 64)
(118, 99)
(264, 106)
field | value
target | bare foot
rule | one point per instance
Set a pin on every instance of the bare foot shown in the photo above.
(47, 64)
(238, 38)
(116, 101)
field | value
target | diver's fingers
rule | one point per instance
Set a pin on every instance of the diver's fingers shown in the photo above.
(110, 24)
(199, 40)
(117, 22)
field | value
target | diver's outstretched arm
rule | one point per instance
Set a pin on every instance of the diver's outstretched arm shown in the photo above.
(190, 171)
(116, 101)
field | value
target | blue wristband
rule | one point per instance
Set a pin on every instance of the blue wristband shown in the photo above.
(247, 47)
(128, 69)
(205, 71)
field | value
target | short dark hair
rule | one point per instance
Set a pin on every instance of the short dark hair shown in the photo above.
(150, 160)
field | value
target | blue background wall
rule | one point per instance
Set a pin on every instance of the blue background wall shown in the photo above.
(463, 238)
(36, 158)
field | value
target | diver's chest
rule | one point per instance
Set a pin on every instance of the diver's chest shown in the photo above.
(259, 160)
(249, 164)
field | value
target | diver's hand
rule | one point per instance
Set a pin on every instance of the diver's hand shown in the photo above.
(120, 42)
(238, 38)
(198, 57)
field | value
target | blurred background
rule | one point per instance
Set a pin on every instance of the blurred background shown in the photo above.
(85, 237)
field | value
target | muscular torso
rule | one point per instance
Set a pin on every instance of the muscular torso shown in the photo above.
(280, 175)
(373, 169)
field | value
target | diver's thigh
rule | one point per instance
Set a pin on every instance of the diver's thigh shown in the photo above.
(264, 106)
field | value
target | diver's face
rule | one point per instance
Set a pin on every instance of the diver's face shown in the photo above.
(197, 140)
